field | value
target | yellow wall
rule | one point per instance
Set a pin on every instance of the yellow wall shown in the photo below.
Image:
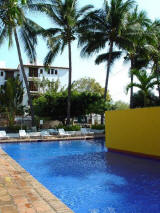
(136, 130)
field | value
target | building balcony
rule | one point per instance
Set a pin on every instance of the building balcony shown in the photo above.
(32, 78)
(34, 92)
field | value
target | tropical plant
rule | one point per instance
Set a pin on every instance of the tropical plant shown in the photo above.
(146, 83)
(137, 45)
(67, 17)
(15, 24)
(11, 96)
(104, 26)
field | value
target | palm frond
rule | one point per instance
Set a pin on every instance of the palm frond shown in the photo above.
(52, 54)
(105, 57)
(2, 35)
(28, 34)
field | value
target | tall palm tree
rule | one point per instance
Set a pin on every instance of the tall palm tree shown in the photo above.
(146, 82)
(154, 50)
(67, 17)
(15, 24)
(136, 48)
(104, 27)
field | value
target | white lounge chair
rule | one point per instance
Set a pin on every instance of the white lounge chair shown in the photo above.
(53, 131)
(3, 135)
(34, 134)
(61, 132)
(85, 131)
(23, 134)
(45, 133)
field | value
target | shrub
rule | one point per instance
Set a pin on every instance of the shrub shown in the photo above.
(69, 128)
(15, 129)
(98, 127)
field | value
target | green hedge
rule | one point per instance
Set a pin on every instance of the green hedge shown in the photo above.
(98, 127)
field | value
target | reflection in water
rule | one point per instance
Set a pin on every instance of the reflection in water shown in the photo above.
(89, 179)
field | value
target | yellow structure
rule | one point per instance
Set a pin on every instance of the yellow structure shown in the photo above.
(136, 131)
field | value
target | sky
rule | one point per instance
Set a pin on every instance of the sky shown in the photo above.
(83, 67)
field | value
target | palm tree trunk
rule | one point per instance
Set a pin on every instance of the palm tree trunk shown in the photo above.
(145, 100)
(131, 94)
(108, 69)
(157, 75)
(107, 75)
(69, 83)
(24, 76)
(158, 86)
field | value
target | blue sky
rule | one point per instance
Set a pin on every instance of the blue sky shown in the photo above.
(83, 67)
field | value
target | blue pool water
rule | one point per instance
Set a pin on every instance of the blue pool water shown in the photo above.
(89, 179)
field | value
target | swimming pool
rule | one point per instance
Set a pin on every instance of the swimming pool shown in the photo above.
(89, 179)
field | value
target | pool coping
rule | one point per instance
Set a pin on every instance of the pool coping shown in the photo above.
(50, 139)
(20, 192)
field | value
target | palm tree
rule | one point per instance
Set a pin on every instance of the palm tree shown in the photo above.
(15, 24)
(105, 26)
(146, 82)
(136, 48)
(154, 50)
(67, 17)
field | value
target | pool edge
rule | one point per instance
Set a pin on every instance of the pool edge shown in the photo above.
(13, 174)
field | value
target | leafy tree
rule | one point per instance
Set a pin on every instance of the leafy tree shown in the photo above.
(15, 24)
(11, 96)
(120, 105)
(105, 26)
(90, 85)
(146, 82)
(54, 104)
(67, 17)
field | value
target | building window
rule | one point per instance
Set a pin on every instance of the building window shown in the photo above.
(9, 75)
(33, 86)
(41, 71)
(33, 72)
(49, 71)
(52, 71)
(1, 73)
(56, 72)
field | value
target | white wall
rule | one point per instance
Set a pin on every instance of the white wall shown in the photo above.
(62, 75)
(2, 78)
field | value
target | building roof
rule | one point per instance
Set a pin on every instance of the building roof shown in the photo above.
(9, 69)
(39, 66)
(31, 65)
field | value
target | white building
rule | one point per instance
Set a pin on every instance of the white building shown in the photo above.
(33, 73)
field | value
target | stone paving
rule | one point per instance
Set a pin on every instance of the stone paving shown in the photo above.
(21, 193)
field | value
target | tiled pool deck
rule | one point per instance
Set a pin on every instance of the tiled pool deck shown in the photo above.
(21, 193)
